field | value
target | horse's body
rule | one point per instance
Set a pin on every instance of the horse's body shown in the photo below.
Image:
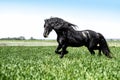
(68, 36)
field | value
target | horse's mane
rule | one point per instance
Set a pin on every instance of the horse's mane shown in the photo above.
(61, 21)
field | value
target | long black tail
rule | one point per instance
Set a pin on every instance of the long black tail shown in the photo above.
(104, 46)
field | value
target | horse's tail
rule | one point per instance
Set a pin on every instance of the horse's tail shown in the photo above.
(104, 46)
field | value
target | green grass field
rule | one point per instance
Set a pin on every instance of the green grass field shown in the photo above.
(41, 63)
(28, 43)
(43, 43)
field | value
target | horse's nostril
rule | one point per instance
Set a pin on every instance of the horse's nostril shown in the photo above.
(45, 35)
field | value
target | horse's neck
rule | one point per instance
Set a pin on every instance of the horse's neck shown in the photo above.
(65, 32)
(59, 32)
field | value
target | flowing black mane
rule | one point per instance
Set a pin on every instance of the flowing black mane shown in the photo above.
(58, 22)
(68, 36)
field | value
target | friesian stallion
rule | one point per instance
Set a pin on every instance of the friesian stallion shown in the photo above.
(68, 36)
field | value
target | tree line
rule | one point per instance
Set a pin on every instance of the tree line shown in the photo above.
(17, 38)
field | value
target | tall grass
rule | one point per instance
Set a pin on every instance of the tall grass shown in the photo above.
(41, 63)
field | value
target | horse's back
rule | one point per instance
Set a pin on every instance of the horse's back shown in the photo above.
(91, 34)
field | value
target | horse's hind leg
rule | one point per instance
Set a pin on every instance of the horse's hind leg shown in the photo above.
(95, 48)
(91, 51)
(91, 46)
(99, 53)
(99, 49)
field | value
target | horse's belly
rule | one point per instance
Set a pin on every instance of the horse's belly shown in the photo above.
(75, 44)
(76, 41)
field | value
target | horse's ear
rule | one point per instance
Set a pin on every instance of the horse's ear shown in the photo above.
(51, 17)
(45, 20)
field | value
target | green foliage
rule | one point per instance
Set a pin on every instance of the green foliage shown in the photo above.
(41, 63)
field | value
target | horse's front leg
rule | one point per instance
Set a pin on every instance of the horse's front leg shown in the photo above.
(63, 51)
(58, 48)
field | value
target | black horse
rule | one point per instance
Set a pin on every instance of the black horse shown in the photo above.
(68, 36)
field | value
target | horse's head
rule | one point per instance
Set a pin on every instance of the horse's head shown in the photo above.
(57, 24)
(47, 28)
(50, 24)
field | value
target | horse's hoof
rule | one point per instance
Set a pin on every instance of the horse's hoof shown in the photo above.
(99, 55)
(57, 52)
(61, 56)
(109, 56)
(66, 52)
(92, 53)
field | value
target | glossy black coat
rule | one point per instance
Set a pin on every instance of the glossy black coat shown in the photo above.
(68, 36)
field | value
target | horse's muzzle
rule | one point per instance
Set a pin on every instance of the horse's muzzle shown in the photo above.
(45, 34)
